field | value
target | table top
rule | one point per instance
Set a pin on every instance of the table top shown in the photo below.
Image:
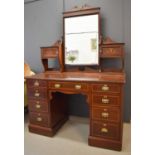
(117, 77)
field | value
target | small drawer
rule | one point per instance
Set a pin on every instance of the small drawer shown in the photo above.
(68, 86)
(110, 52)
(39, 119)
(38, 106)
(106, 87)
(36, 83)
(111, 114)
(105, 99)
(49, 52)
(106, 130)
(37, 93)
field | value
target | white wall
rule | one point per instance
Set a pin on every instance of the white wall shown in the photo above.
(43, 26)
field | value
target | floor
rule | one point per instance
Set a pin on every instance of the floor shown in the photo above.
(71, 139)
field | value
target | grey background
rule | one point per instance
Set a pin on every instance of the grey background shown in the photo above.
(43, 26)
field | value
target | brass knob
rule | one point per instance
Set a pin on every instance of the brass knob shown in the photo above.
(105, 100)
(36, 83)
(39, 119)
(105, 88)
(77, 86)
(37, 94)
(38, 106)
(104, 114)
(104, 130)
(37, 102)
(57, 85)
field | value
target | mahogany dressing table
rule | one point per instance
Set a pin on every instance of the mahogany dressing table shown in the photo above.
(103, 88)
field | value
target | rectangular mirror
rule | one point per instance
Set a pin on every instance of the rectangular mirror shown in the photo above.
(81, 40)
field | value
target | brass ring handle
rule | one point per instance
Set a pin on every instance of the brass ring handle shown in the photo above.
(104, 130)
(38, 106)
(104, 114)
(39, 119)
(37, 94)
(57, 85)
(77, 86)
(36, 83)
(105, 88)
(105, 100)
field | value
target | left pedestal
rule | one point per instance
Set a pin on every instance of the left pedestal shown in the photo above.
(46, 115)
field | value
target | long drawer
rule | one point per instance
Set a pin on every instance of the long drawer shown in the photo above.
(39, 119)
(68, 86)
(100, 99)
(106, 130)
(110, 114)
(38, 105)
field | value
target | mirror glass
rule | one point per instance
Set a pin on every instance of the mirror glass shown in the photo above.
(81, 40)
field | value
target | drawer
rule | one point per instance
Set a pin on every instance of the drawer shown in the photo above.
(111, 114)
(106, 87)
(109, 52)
(105, 99)
(37, 93)
(68, 86)
(38, 105)
(106, 130)
(49, 52)
(39, 119)
(36, 83)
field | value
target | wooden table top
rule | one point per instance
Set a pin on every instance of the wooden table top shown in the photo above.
(117, 77)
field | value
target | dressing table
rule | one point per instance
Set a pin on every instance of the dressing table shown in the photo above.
(80, 73)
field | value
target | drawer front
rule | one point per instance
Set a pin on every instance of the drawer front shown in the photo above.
(36, 83)
(38, 106)
(39, 119)
(49, 52)
(107, 99)
(106, 87)
(111, 52)
(106, 130)
(111, 114)
(37, 93)
(68, 86)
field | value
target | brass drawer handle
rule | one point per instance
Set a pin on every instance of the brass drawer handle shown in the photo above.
(105, 114)
(77, 86)
(104, 130)
(105, 100)
(105, 88)
(38, 106)
(111, 50)
(37, 94)
(57, 85)
(39, 119)
(36, 83)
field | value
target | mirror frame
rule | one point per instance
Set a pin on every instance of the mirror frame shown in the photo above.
(82, 12)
